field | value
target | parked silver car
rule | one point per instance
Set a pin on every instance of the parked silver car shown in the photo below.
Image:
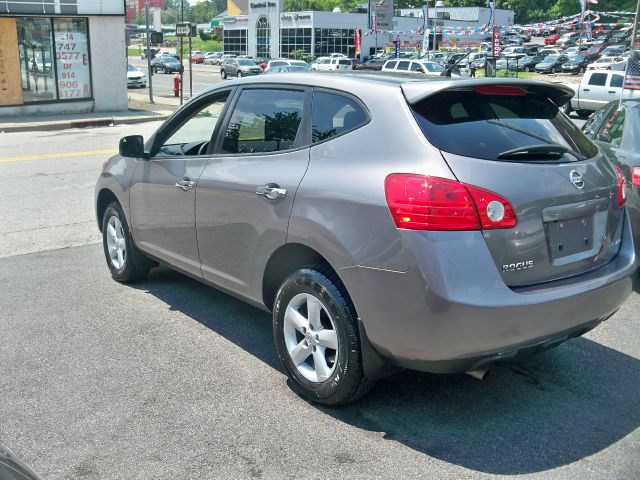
(239, 67)
(433, 224)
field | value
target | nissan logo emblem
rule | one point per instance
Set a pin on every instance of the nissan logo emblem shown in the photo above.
(576, 179)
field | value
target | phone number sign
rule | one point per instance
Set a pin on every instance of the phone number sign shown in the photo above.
(72, 61)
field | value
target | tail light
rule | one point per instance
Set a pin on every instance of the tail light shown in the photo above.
(635, 176)
(622, 183)
(418, 202)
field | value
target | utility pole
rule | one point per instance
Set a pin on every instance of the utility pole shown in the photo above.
(150, 80)
(190, 66)
(181, 60)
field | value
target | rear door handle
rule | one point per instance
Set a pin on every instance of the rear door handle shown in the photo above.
(612, 91)
(586, 90)
(185, 184)
(271, 191)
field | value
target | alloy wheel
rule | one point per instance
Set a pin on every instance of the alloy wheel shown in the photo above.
(116, 243)
(310, 337)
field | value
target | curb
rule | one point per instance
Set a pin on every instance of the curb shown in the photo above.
(85, 123)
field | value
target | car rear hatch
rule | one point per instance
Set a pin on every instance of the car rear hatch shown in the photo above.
(564, 192)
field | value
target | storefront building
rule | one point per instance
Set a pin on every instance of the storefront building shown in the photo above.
(267, 32)
(62, 56)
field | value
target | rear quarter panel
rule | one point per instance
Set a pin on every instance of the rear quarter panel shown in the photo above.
(340, 208)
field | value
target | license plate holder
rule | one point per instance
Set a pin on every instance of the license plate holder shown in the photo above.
(571, 236)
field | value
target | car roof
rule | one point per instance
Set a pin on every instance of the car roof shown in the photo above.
(415, 87)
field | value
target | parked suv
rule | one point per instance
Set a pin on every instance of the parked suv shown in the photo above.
(239, 67)
(434, 248)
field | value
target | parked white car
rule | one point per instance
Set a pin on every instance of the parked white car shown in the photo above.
(212, 57)
(284, 63)
(135, 77)
(609, 63)
(426, 67)
(332, 63)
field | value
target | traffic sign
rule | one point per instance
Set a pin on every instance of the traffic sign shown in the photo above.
(183, 29)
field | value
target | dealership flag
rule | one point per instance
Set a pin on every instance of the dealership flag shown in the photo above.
(632, 76)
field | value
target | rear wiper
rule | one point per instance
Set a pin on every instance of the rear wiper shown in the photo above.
(547, 150)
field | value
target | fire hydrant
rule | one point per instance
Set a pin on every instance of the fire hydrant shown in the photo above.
(176, 85)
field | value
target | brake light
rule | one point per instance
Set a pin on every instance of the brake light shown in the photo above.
(622, 183)
(418, 202)
(500, 90)
(635, 176)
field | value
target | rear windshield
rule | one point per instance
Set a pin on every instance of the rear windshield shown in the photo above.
(484, 126)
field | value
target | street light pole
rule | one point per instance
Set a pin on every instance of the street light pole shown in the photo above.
(181, 50)
(149, 72)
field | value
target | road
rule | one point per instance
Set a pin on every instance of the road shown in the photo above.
(169, 379)
(204, 76)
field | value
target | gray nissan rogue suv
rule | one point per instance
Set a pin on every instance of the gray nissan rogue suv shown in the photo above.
(434, 224)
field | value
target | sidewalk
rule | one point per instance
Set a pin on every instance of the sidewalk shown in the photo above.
(83, 120)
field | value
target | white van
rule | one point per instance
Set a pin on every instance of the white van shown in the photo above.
(426, 67)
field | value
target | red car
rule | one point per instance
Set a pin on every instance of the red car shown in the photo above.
(551, 39)
(197, 58)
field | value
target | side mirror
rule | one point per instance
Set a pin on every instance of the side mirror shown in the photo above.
(132, 147)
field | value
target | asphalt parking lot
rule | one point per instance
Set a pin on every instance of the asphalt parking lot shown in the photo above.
(170, 379)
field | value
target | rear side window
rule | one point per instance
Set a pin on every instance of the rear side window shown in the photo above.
(335, 114)
(484, 126)
(598, 79)
(616, 81)
(264, 121)
(390, 65)
(403, 66)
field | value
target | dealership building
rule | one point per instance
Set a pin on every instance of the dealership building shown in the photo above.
(263, 30)
(62, 56)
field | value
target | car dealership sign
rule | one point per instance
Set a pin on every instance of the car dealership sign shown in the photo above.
(63, 7)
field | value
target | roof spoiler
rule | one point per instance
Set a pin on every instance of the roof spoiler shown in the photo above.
(415, 92)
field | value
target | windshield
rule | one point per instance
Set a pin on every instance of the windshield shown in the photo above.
(551, 59)
(484, 126)
(245, 62)
(131, 68)
(576, 58)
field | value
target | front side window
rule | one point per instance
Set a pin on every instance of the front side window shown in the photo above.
(616, 81)
(193, 136)
(415, 67)
(264, 121)
(593, 124)
(335, 114)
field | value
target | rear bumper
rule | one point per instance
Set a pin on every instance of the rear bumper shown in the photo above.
(451, 312)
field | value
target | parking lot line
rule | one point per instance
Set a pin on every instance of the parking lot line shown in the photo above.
(57, 155)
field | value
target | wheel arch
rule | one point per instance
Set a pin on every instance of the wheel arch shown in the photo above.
(294, 256)
(105, 197)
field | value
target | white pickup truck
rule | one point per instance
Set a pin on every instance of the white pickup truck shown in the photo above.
(597, 89)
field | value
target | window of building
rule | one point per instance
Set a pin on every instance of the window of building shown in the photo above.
(264, 121)
(54, 58)
(292, 39)
(334, 40)
(235, 41)
(263, 38)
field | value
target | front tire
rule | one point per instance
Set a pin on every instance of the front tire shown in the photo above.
(317, 338)
(223, 74)
(124, 260)
(239, 74)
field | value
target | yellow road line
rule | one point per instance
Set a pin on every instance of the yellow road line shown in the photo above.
(57, 155)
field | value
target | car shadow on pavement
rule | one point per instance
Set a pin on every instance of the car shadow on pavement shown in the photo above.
(541, 413)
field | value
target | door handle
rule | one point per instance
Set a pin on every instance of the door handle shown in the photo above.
(612, 91)
(271, 191)
(586, 90)
(185, 184)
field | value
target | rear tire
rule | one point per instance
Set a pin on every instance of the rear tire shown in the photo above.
(317, 338)
(126, 263)
(566, 108)
(239, 74)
